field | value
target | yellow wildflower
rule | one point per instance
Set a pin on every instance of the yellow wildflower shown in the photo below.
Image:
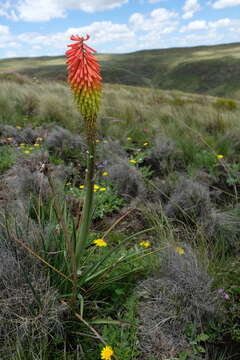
(36, 144)
(220, 156)
(98, 141)
(26, 151)
(18, 127)
(22, 145)
(106, 353)
(180, 250)
(39, 138)
(146, 144)
(100, 242)
(68, 183)
(145, 244)
(105, 173)
(30, 148)
(9, 138)
(102, 189)
(129, 138)
(96, 187)
(81, 187)
(132, 161)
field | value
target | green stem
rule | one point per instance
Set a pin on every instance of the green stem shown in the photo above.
(87, 207)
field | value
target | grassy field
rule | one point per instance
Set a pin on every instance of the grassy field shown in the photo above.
(166, 285)
(212, 70)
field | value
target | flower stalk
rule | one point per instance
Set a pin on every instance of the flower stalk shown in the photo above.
(87, 206)
(85, 81)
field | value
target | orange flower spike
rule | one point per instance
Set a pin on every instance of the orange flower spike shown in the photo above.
(85, 80)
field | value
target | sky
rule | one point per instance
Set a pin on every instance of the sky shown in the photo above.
(43, 27)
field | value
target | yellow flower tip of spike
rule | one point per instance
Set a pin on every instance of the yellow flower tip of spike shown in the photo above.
(96, 187)
(220, 156)
(36, 145)
(39, 138)
(98, 141)
(9, 139)
(146, 144)
(106, 353)
(18, 127)
(100, 242)
(22, 145)
(26, 152)
(132, 161)
(81, 187)
(105, 173)
(145, 244)
(180, 250)
(102, 189)
(129, 138)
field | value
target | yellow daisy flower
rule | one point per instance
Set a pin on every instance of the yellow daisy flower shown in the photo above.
(129, 138)
(102, 189)
(96, 187)
(105, 173)
(98, 141)
(146, 144)
(36, 144)
(81, 187)
(145, 244)
(220, 156)
(132, 161)
(180, 250)
(100, 242)
(106, 353)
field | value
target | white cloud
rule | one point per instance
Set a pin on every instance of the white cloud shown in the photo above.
(45, 10)
(221, 23)
(5, 35)
(11, 54)
(221, 4)
(158, 20)
(117, 34)
(99, 35)
(4, 30)
(195, 25)
(231, 24)
(155, 1)
(190, 8)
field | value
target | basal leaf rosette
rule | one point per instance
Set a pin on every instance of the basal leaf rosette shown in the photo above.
(85, 80)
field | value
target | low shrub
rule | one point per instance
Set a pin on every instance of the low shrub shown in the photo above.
(189, 202)
(173, 300)
(225, 104)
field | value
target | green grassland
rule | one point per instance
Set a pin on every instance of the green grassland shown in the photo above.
(212, 70)
(167, 204)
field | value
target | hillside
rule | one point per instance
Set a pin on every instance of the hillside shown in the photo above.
(212, 70)
(161, 263)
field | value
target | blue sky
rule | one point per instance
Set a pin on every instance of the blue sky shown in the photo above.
(43, 27)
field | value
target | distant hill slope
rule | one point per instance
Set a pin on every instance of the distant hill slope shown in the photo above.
(213, 70)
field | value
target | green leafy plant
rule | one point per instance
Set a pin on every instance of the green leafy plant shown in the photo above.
(7, 156)
(106, 199)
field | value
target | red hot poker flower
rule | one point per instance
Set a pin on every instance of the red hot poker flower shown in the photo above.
(84, 79)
